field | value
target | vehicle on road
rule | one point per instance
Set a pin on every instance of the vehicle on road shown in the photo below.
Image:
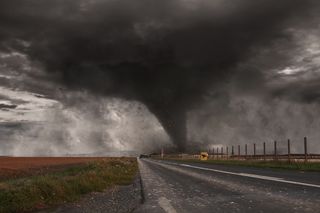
(144, 156)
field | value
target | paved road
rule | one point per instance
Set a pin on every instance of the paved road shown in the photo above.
(195, 187)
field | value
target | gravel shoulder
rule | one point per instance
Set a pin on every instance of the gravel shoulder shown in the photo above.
(119, 199)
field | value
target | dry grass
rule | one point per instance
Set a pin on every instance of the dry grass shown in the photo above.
(293, 165)
(55, 187)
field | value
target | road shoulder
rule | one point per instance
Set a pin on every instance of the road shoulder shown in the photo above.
(117, 199)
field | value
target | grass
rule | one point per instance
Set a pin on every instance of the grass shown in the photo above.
(301, 166)
(30, 193)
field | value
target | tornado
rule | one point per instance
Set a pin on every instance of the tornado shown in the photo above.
(166, 54)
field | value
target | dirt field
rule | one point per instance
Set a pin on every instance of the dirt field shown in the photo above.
(12, 167)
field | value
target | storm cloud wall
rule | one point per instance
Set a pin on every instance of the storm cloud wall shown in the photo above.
(169, 55)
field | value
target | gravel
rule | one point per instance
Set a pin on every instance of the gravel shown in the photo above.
(118, 199)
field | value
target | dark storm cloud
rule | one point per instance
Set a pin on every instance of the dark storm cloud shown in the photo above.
(7, 106)
(306, 92)
(166, 54)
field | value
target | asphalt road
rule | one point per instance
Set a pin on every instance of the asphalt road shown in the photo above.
(196, 187)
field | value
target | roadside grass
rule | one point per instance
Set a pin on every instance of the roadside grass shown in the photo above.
(37, 192)
(292, 165)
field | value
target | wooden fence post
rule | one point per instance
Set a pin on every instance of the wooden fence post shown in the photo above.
(227, 152)
(246, 151)
(232, 151)
(222, 153)
(254, 150)
(289, 150)
(275, 150)
(264, 151)
(213, 153)
(305, 149)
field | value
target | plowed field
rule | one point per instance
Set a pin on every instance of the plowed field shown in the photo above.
(12, 167)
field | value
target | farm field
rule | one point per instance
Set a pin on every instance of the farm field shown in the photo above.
(14, 167)
(31, 183)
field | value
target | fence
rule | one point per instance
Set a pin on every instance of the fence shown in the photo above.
(238, 154)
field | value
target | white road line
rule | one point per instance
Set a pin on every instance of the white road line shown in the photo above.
(276, 179)
(166, 205)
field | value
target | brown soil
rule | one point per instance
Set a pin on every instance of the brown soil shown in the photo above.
(13, 167)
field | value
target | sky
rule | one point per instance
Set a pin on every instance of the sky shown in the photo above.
(119, 77)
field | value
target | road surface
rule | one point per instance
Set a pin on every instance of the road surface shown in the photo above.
(175, 187)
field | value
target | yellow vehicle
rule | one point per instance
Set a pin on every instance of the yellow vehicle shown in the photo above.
(204, 156)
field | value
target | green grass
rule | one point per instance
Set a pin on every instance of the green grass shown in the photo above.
(30, 193)
(301, 166)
